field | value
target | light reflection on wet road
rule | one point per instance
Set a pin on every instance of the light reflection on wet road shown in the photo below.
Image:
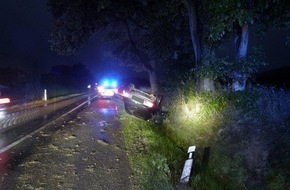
(86, 146)
(29, 120)
(107, 107)
(108, 110)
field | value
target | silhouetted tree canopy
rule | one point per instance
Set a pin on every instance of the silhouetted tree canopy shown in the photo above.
(76, 76)
(153, 34)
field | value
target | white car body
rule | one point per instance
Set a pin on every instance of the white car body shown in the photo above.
(107, 91)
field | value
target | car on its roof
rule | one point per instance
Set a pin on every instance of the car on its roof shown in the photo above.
(143, 104)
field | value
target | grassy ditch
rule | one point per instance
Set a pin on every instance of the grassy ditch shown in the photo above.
(247, 132)
(155, 158)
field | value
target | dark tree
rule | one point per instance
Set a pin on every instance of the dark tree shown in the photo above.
(140, 34)
(74, 77)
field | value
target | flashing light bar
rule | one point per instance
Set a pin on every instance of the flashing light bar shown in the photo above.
(107, 83)
(114, 83)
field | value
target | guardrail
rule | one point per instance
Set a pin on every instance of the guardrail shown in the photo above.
(21, 113)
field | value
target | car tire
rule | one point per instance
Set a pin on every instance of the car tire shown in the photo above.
(159, 117)
(158, 120)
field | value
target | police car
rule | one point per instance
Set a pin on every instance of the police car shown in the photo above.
(107, 89)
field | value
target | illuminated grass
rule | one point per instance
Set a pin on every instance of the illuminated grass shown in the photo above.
(236, 126)
(197, 120)
(157, 153)
(155, 159)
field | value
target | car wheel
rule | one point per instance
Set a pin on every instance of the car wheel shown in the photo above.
(159, 117)
(158, 120)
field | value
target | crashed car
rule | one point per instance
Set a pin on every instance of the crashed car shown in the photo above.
(143, 105)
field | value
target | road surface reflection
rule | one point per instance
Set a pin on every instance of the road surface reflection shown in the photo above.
(108, 111)
(107, 107)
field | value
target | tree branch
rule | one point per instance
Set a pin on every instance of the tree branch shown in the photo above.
(142, 57)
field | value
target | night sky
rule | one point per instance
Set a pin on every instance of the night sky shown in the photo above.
(25, 27)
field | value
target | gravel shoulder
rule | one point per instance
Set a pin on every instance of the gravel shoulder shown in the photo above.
(85, 150)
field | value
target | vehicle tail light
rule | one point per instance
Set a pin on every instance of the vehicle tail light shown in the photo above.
(148, 104)
(126, 94)
(4, 100)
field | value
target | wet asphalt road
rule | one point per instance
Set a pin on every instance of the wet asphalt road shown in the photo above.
(83, 150)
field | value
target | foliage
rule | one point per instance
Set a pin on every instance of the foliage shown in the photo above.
(143, 35)
(221, 69)
(272, 104)
(222, 14)
(242, 134)
(277, 180)
(223, 172)
(73, 25)
(134, 32)
(275, 14)
(279, 168)
(199, 116)
(154, 157)
(139, 34)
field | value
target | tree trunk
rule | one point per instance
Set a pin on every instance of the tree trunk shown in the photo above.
(203, 83)
(153, 78)
(150, 66)
(195, 29)
(241, 42)
(206, 84)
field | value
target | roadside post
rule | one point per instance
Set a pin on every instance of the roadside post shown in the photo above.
(45, 95)
(187, 169)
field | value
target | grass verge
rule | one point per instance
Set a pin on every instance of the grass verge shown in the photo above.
(244, 131)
